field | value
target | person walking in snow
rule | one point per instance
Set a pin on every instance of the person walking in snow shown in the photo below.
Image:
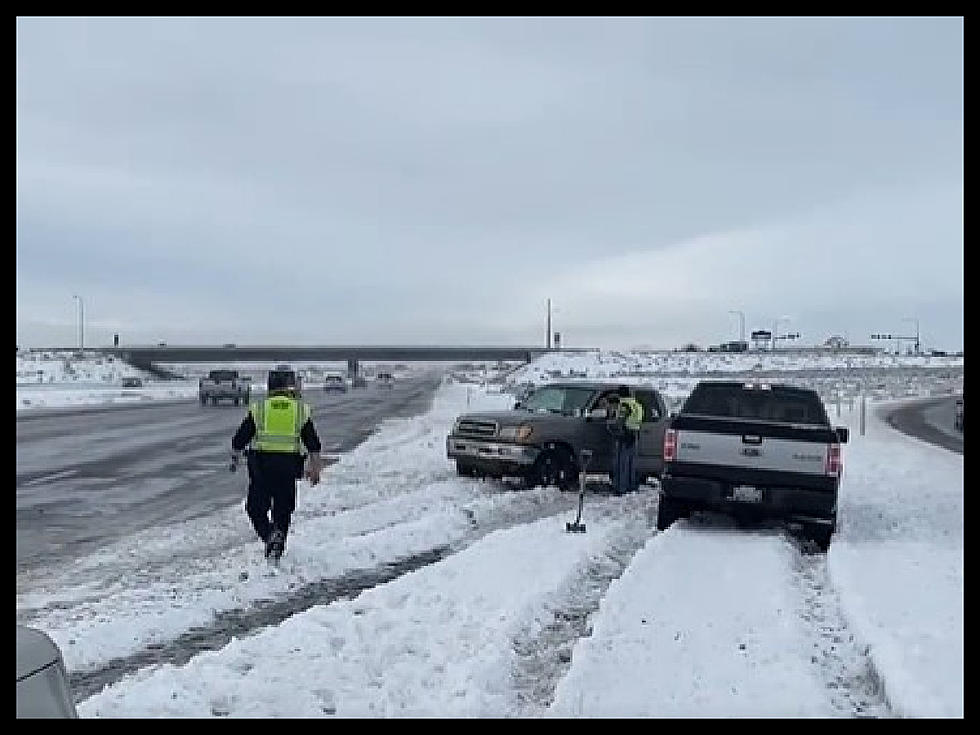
(277, 428)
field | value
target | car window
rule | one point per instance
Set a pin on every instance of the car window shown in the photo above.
(559, 399)
(778, 404)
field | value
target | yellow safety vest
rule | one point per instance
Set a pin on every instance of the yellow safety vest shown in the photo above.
(278, 423)
(635, 415)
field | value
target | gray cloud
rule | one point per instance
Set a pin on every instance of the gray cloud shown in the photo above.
(434, 180)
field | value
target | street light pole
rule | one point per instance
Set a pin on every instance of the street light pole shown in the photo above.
(81, 322)
(775, 329)
(548, 332)
(741, 323)
(913, 319)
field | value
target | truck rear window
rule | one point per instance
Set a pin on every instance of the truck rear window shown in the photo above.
(777, 404)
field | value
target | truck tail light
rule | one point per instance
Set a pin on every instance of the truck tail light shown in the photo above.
(670, 445)
(834, 465)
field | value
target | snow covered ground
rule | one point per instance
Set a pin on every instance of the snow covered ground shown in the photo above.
(504, 614)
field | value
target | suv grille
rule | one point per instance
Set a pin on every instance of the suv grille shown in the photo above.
(477, 428)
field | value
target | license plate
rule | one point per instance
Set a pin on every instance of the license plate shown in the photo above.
(747, 494)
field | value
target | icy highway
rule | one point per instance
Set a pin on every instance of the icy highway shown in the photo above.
(87, 477)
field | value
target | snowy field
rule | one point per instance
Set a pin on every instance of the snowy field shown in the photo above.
(521, 619)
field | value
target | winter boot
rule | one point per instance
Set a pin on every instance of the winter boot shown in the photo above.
(275, 545)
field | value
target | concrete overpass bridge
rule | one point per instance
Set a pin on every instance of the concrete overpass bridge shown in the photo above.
(151, 357)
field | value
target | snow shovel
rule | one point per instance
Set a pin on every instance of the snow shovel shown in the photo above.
(577, 526)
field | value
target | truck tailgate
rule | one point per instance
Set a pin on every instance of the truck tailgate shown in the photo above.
(752, 445)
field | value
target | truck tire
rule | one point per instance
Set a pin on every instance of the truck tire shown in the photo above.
(464, 469)
(819, 534)
(214, 401)
(553, 467)
(204, 400)
(236, 401)
(669, 510)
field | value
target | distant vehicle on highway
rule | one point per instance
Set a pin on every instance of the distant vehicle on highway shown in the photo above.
(386, 380)
(42, 681)
(132, 383)
(335, 383)
(228, 344)
(223, 385)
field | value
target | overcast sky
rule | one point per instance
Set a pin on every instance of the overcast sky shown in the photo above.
(435, 181)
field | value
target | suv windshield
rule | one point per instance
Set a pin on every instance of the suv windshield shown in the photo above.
(780, 404)
(558, 399)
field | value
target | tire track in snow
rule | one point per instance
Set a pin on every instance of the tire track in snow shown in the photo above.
(241, 622)
(544, 654)
(848, 671)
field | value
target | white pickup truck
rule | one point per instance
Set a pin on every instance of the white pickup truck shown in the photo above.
(753, 450)
(224, 385)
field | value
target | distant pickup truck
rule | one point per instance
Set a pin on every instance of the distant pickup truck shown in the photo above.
(224, 385)
(385, 380)
(334, 382)
(541, 439)
(754, 451)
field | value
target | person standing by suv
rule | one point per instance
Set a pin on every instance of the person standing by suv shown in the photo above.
(277, 427)
(627, 415)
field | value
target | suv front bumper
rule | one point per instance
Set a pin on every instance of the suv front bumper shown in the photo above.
(491, 452)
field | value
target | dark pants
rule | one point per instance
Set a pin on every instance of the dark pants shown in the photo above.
(272, 486)
(624, 468)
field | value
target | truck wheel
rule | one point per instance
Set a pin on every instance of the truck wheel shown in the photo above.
(819, 534)
(214, 401)
(465, 470)
(204, 401)
(236, 401)
(669, 510)
(553, 467)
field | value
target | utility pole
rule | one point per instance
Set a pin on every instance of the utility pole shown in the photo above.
(81, 323)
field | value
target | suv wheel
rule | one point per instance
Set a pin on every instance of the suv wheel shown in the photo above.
(553, 467)
(669, 510)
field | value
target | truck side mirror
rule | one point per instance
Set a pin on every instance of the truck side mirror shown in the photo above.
(842, 434)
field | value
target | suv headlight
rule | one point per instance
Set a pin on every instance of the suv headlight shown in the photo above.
(521, 432)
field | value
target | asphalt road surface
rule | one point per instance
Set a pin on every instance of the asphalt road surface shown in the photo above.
(930, 420)
(87, 477)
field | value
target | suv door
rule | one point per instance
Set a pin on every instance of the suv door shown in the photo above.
(651, 440)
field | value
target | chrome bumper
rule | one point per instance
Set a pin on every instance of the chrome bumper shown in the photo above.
(464, 448)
